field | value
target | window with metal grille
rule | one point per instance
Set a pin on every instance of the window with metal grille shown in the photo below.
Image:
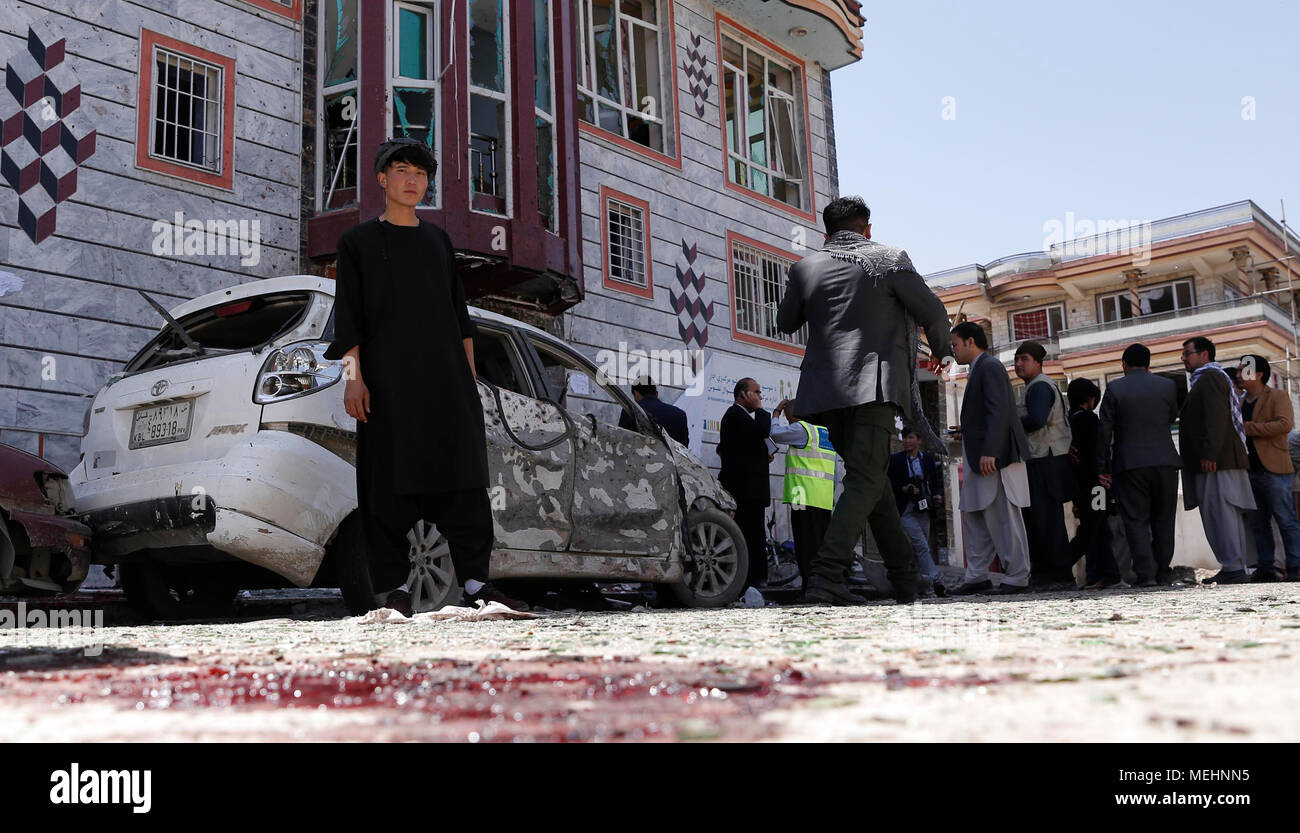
(187, 110)
(1041, 323)
(627, 243)
(758, 278)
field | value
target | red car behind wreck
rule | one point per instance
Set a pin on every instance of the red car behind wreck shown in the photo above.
(43, 551)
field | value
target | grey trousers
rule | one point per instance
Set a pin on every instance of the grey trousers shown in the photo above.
(1224, 521)
(997, 529)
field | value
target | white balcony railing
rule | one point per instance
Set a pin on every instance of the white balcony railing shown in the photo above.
(1193, 321)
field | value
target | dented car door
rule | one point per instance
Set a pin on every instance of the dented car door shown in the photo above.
(530, 446)
(626, 497)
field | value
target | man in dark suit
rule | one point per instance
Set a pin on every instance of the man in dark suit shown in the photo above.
(742, 448)
(995, 482)
(1212, 442)
(862, 302)
(918, 490)
(1136, 457)
(671, 418)
(1091, 503)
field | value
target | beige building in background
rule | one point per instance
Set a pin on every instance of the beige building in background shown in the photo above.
(1225, 273)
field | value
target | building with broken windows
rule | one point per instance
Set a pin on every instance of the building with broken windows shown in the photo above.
(634, 176)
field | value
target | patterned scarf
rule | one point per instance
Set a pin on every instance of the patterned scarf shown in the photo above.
(877, 260)
(1234, 405)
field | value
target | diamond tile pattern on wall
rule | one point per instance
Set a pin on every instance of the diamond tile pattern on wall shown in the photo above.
(44, 133)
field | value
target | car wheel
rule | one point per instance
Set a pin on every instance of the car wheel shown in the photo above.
(432, 579)
(174, 593)
(719, 561)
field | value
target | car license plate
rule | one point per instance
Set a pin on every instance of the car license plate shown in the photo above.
(161, 424)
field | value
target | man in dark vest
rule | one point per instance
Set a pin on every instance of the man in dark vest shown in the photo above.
(421, 446)
(742, 448)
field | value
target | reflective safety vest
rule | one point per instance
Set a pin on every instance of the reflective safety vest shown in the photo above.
(810, 470)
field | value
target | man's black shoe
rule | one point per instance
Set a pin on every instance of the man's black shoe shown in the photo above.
(489, 593)
(1264, 574)
(940, 590)
(1149, 582)
(1165, 577)
(823, 592)
(904, 596)
(1293, 573)
(972, 589)
(1008, 590)
(1227, 577)
(399, 600)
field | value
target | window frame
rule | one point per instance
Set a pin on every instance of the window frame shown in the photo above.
(432, 8)
(663, 9)
(291, 9)
(224, 176)
(610, 282)
(505, 98)
(322, 136)
(551, 118)
(752, 40)
(1103, 297)
(737, 334)
(1052, 336)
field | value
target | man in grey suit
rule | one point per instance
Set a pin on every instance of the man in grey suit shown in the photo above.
(1136, 457)
(862, 302)
(995, 482)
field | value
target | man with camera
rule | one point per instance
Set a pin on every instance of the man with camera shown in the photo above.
(918, 491)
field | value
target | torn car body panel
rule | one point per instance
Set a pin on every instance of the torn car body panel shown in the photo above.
(42, 546)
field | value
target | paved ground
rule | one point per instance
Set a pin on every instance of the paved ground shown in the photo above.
(1196, 663)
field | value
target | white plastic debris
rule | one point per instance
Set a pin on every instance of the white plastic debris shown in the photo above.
(484, 612)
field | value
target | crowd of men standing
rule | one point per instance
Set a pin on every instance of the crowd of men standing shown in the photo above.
(1109, 455)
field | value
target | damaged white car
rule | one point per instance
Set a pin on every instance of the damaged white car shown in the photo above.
(222, 459)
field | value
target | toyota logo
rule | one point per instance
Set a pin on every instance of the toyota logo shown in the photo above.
(159, 387)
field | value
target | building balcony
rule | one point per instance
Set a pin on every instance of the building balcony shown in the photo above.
(1006, 353)
(1197, 320)
(827, 31)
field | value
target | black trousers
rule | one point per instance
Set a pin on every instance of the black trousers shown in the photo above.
(463, 517)
(1093, 541)
(1148, 503)
(750, 517)
(808, 524)
(1049, 544)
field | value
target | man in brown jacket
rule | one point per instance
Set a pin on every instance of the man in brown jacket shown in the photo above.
(1213, 447)
(1267, 417)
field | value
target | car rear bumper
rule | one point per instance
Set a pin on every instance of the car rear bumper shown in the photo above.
(274, 501)
(57, 533)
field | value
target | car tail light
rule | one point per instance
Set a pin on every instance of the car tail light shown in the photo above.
(295, 370)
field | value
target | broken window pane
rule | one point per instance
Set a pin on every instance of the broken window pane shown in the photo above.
(339, 45)
(340, 148)
(487, 145)
(546, 173)
(487, 45)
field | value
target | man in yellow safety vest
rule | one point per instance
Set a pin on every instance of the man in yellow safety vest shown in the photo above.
(809, 483)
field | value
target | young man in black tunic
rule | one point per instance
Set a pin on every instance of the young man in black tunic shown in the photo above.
(402, 327)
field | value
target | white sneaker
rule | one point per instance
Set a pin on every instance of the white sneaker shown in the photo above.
(752, 598)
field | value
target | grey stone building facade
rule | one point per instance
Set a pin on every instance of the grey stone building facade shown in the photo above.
(147, 146)
(635, 177)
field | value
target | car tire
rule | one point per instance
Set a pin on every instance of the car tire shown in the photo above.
(432, 578)
(719, 561)
(172, 593)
